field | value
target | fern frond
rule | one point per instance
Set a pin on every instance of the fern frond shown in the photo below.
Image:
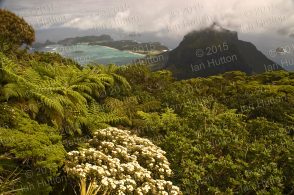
(55, 105)
(11, 90)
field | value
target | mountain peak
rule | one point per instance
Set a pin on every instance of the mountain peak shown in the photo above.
(215, 50)
(216, 27)
(213, 33)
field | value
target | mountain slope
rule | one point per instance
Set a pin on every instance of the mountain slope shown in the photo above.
(214, 51)
(85, 39)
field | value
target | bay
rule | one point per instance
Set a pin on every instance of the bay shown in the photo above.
(87, 54)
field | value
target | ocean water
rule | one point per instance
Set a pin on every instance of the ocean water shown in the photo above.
(86, 54)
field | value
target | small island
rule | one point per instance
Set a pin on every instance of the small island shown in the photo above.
(148, 48)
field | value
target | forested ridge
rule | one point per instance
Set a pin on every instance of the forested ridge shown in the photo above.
(67, 129)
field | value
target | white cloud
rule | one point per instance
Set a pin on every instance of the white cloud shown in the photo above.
(162, 17)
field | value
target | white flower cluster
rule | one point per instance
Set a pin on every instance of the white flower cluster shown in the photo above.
(123, 164)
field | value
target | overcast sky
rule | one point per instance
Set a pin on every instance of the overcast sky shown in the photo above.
(161, 17)
(267, 23)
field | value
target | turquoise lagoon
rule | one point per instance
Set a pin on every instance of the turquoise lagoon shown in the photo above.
(86, 54)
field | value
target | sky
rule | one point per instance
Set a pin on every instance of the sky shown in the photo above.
(266, 23)
(170, 18)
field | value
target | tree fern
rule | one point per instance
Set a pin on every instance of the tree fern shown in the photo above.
(61, 93)
(97, 117)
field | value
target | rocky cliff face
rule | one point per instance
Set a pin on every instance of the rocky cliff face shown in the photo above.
(214, 51)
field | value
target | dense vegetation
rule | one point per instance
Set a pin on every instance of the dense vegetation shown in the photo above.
(14, 31)
(223, 134)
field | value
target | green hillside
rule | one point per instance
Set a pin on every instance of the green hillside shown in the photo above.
(66, 129)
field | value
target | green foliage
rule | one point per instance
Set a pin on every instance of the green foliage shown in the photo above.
(14, 31)
(57, 95)
(218, 134)
(28, 146)
(99, 118)
(225, 134)
(217, 151)
(50, 58)
(219, 126)
(159, 124)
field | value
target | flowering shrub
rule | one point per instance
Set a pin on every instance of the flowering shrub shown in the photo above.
(116, 162)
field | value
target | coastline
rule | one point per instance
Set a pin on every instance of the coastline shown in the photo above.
(109, 47)
(139, 54)
(123, 50)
